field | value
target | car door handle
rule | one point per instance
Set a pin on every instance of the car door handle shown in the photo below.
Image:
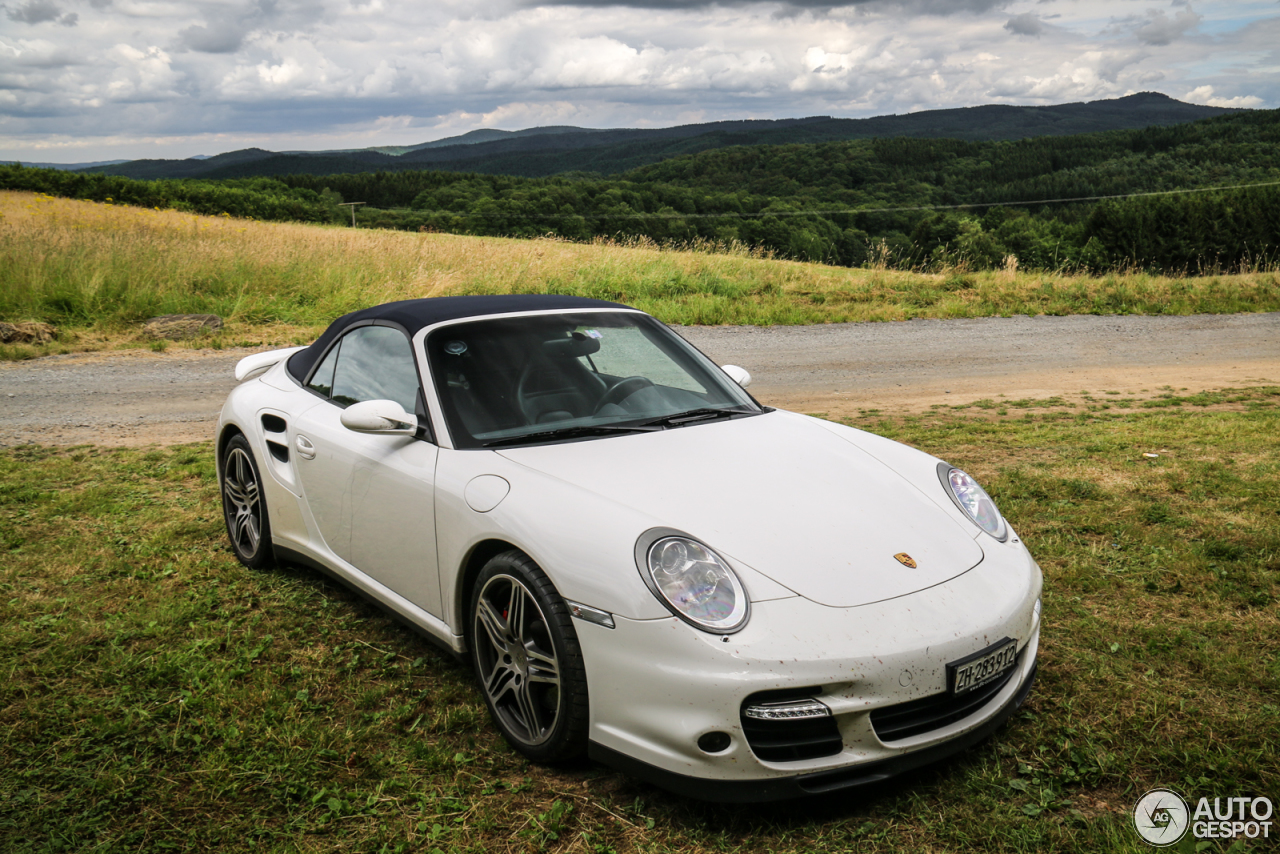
(306, 450)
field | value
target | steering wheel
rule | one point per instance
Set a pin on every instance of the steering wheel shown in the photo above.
(621, 390)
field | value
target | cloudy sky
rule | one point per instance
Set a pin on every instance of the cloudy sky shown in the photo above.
(85, 80)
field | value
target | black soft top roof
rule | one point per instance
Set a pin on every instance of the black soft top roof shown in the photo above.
(414, 314)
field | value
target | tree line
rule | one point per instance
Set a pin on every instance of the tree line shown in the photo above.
(248, 198)
(884, 201)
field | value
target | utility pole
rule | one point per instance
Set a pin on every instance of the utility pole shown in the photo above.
(351, 205)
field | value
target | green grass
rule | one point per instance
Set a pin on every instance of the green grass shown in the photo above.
(158, 696)
(97, 271)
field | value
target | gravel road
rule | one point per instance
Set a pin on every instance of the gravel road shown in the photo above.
(140, 398)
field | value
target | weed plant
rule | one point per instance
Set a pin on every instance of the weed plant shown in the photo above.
(158, 696)
(97, 270)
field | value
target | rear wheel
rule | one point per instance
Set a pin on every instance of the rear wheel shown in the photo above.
(527, 659)
(244, 507)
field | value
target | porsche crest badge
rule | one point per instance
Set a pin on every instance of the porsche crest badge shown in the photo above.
(906, 560)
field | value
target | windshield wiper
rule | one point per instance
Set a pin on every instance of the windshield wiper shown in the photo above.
(675, 419)
(691, 416)
(580, 432)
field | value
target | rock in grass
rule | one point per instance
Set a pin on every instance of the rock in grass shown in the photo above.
(177, 327)
(27, 332)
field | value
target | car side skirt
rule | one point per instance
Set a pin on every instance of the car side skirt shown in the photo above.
(412, 616)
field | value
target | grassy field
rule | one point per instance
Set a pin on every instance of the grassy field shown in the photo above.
(158, 696)
(98, 270)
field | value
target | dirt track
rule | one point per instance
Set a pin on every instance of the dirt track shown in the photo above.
(140, 398)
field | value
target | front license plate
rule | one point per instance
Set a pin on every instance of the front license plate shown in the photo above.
(982, 667)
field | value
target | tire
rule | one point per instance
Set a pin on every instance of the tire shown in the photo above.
(244, 507)
(530, 668)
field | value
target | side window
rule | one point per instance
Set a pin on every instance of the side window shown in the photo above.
(372, 363)
(322, 379)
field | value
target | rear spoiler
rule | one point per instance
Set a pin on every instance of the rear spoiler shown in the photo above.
(258, 363)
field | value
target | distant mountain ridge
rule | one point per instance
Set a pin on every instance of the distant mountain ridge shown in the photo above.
(540, 152)
(65, 166)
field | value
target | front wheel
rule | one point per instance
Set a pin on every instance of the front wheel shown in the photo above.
(528, 661)
(244, 506)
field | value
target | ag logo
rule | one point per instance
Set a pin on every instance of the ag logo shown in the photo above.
(906, 560)
(1161, 817)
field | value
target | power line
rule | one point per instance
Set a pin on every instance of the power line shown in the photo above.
(906, 209)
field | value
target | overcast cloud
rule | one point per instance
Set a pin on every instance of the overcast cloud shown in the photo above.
(101, 79)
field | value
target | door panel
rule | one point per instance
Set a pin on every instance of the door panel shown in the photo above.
(393, 521)
(326, 473)
(373, 500)
(372, 496)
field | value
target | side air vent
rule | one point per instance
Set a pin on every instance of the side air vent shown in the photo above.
(788, 726)
(273, 423)
(279, 451)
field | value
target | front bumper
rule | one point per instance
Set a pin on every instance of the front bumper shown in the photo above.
(814, 783)
(658, 686)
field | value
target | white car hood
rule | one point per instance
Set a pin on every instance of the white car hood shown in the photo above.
(782, 494)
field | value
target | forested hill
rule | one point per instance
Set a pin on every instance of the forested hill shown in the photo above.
(860, 174)
(542, 152)
(1238, 148)
(845, 202)
(986, 123)
(497, 149)
(906, 202)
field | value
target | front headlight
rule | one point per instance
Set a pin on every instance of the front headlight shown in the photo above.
(694, 582)
(973, 501)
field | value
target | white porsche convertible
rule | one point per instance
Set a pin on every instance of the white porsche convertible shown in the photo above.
(640, 561)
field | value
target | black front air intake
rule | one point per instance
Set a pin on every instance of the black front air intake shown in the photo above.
(789, 739)
(894, 723)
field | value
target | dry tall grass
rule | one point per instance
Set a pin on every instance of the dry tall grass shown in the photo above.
(102, 267)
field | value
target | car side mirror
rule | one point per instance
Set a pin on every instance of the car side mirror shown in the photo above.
(379, 416)
(738, 375)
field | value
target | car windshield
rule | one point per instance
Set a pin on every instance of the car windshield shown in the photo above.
(556, 377)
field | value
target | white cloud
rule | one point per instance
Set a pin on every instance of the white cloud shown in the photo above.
(1204, 95)
(140, 74)
(295, 68)
(280, 73)
(382, 80)
(1089, 76)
